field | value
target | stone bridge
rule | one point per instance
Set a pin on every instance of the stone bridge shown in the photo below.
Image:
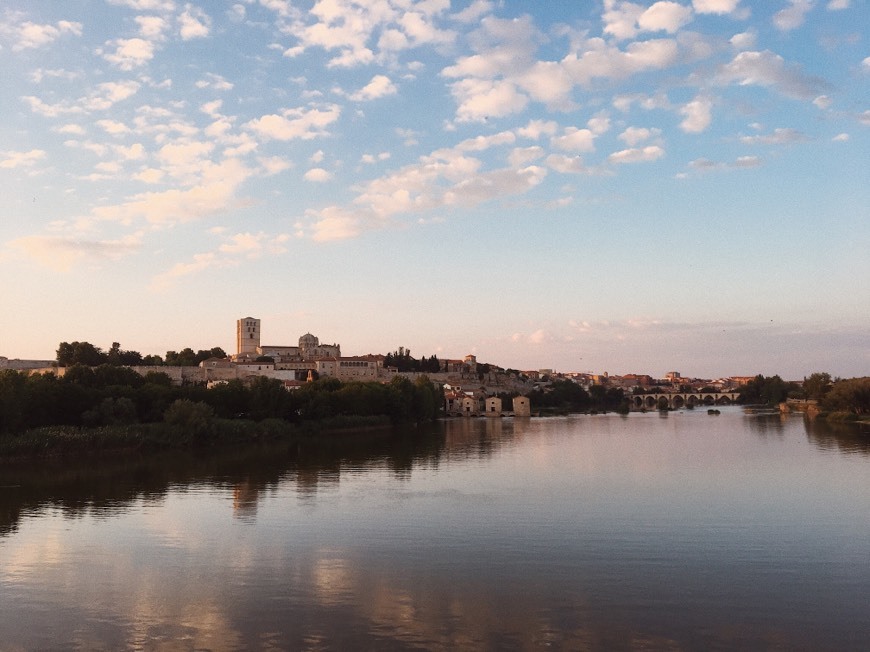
(677, 400)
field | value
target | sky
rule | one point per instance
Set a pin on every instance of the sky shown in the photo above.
(589, 186)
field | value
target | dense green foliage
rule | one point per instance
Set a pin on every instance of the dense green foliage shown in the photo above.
(118, 396)
(85, 353)
(766, 391)
(851, 395)
(403, 362)
(817, 385)
(568, 396)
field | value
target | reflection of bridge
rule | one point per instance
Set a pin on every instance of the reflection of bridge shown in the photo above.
(677, 400)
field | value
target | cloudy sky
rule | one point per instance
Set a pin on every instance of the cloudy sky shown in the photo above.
(594, 185)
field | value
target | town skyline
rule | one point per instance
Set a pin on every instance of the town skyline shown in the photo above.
(247, 353)
(630, 187)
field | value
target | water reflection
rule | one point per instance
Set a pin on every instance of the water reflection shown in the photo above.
(105, 487)
(839, 437)
(690, 532)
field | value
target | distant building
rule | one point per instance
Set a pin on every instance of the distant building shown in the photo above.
(493, 406)
(247, 336)
(522, 406)
(25, 365)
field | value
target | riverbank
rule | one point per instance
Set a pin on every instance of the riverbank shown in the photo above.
(63, 441)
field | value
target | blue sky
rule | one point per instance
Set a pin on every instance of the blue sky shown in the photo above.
(586, 186)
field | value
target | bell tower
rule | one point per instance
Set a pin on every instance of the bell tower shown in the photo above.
(247, 335)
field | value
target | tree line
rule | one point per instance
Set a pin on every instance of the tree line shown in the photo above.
(566, 395)
(850, 395)
(85, 353)
(403, 362)
(109, 395)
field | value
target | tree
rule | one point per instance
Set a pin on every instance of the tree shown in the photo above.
(852, 395)
(817, 385)
(184, 358)
(766, 391)
(69, 354)
(193, 418)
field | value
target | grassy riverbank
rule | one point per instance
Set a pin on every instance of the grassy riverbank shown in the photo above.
(59, 441)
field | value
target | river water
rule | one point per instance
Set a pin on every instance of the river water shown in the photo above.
(682, 531)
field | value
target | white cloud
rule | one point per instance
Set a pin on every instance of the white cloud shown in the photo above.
(715, 6)
(664, 16)
(574, 140)
(200, 263)
(215, 82)
(744, 40)
(237, 13)
(637, 155)
(74, 129)
(317, 175)
(150, 175)
(32, 35)
(62, 253)
(599, 124)
(152, 28)
(445, 178)
(837, 5)
(792, 16)
(481, 143)
(273, 165)
(419, 29)
(603, 61)
(841, 138)
(213, 193)
(128, 53)
(697, 115)
(635, 135)
(537, 128)
(300, 123)
(379, 86)
(624, 20)
(113, 127)
(521, 156)
(620, 18)
(705, 165)
(473, 12)
(769, 69)
(370, 159)
(146, 5)
(823, 102)
(134, 152)
(12, 159)
(193, 23)
(566, 164)
(481, 99)
(781, 136)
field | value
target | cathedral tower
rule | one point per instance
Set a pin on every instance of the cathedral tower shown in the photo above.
(247, 335)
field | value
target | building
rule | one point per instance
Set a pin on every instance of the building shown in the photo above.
(247, 336)
(493, 406)
(363, 368)
(522, 407)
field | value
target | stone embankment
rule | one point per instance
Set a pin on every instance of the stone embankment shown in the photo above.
(810, 407)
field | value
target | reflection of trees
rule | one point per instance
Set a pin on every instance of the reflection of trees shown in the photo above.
(766, 423)
(107, 486)
(843, 437)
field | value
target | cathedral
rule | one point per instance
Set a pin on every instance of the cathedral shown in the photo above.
(248, 346)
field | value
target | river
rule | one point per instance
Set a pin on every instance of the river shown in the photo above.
(674, 531)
